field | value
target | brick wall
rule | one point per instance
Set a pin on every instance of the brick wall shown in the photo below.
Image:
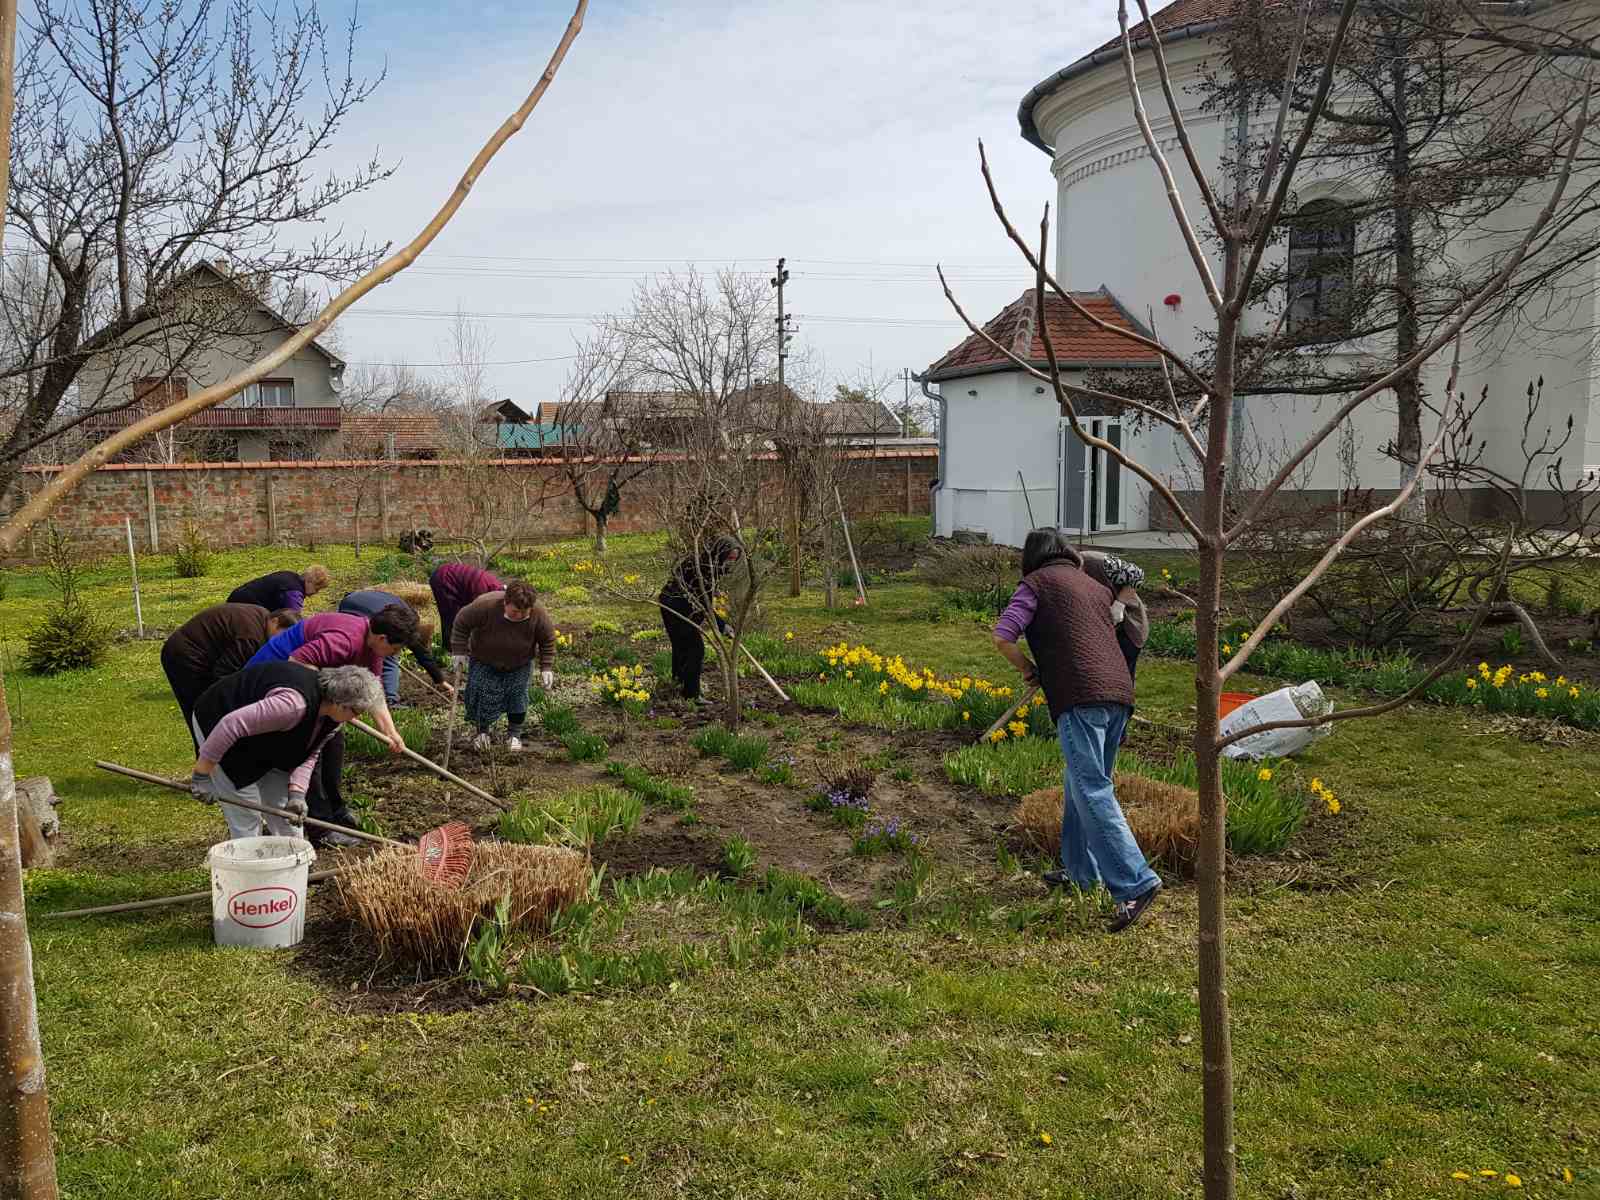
(246, 504)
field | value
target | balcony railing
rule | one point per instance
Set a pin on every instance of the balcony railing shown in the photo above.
(327, 417)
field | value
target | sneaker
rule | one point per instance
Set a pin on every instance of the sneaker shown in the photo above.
(482, 743)
(1129, 911)
(513, 743)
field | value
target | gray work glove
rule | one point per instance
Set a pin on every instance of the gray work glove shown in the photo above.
(200, 788)
(459, 662)
(295, 808)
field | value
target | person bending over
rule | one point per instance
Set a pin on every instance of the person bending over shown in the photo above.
(687, 601)
(261, 732)
(282, 589)
(456, 585)
(214, 643)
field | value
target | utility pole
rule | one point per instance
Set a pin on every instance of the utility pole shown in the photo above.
(905, 404)
(780, 278)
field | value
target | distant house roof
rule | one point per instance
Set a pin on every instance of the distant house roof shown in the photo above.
(873, 418)
(528, 435)
(221, 275)
(505, 410)
(1078, 343)
(412, 432)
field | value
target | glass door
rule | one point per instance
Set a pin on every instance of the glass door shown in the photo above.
(1089, 495)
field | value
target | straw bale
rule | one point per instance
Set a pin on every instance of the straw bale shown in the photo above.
(418, 595)
(1163, 817)
(415, 921)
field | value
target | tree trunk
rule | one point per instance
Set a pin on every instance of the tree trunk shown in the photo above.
(1408, 388)
(27, 1157)
(1216, 1042)
(600, 522)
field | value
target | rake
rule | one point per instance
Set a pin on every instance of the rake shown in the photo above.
(444, 855)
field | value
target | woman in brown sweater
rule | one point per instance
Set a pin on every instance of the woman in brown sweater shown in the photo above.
(499, 634)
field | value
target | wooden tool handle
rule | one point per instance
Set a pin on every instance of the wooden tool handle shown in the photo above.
(175, 785)
(160, 902)
(1009, 713)
(434, 767)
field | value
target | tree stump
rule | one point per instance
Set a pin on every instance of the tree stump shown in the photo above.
(38, 823)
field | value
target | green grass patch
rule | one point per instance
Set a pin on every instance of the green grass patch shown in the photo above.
(581, 817)
(745, 752)
(651, 787)
(414, 731)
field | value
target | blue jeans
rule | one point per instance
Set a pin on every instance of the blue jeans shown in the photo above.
(1096, 844)
(391, 679)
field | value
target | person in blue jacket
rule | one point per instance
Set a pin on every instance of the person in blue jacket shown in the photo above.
(370, 603)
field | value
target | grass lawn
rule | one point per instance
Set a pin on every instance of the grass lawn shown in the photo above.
(1415, 982)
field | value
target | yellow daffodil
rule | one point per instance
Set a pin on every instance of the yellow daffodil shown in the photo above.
(1045, 1138)
(1566, 1174)
(1333, 805)
(1472, 684)
(999, 735)
(1483, 669)
(1513, 1181)
(883, 688)
(1018, 728)
(630, 578)
(1542, 693)
(788, 635)
(1227, 649)
(1264, 774)
(1573, 693)
(1487, 1174)
(1459, 1175)
(966, 716)
(1561, 680)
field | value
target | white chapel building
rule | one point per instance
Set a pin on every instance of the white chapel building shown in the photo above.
(1007, 462)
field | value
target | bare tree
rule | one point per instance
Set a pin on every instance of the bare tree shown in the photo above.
(1242, 223)
(150, 140)
(27, 1165)
(601, 436)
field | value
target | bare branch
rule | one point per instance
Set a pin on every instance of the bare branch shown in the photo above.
(1179, 215)
(1179, 125)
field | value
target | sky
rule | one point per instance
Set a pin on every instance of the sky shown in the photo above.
(839, 134)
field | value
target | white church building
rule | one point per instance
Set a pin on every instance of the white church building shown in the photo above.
(1007, 462)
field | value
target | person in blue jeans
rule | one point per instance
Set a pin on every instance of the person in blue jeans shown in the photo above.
(1067, 618)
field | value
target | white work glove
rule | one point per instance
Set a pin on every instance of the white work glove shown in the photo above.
(295, 808)
(200, 788)
(547, 679)
(1118, 611)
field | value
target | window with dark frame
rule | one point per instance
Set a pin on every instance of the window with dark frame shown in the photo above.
(1322, 263)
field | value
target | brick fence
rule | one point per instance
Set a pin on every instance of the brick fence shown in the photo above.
(311, 503)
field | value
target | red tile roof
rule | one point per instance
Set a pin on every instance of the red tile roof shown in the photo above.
(1175, 16)
(412, 432)
(1077, 342)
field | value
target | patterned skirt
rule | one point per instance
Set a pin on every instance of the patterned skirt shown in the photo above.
(492, 694)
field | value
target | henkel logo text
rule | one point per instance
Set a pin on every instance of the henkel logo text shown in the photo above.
(262, 907)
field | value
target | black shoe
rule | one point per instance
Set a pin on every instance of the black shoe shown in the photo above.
(1129, 911)
(1057, 879)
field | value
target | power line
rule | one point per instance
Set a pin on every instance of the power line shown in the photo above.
(507, 362)
(441, 314)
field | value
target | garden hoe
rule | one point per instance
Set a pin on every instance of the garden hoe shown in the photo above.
(433, 766)
(444, 855)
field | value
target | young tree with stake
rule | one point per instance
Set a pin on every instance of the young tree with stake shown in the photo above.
(1241, 224)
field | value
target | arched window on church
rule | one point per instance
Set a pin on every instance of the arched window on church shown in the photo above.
(1322, 263)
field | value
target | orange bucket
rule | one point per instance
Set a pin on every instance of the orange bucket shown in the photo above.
(1229, 701)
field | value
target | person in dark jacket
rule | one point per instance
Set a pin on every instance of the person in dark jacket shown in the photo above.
(281, 589)
(260, 733)
(456, 585)
(214, 643)
(370, 603)
(1066, 616)
(686, 602)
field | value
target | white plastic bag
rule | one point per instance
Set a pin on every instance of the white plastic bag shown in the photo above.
(1286, 704)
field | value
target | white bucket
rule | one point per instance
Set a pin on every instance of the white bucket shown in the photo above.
(258, 890)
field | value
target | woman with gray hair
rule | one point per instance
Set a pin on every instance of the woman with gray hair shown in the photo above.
(261, 731)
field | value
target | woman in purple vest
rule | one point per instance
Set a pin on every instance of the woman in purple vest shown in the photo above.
(456, 585)
(1066, 616)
